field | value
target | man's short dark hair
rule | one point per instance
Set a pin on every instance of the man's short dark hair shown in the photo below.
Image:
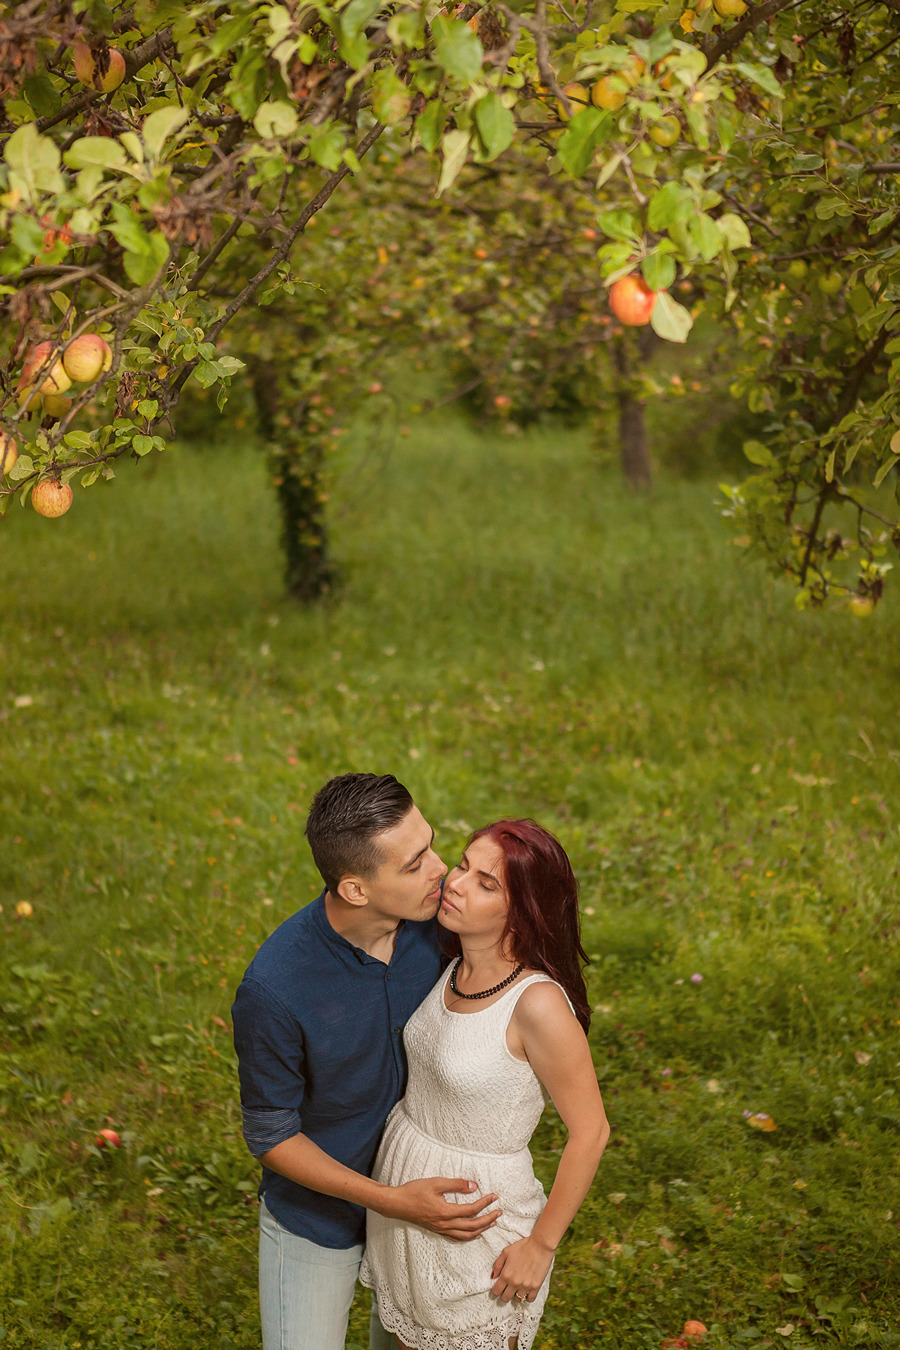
(346, 817)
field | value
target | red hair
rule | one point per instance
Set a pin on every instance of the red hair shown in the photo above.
(542, 927)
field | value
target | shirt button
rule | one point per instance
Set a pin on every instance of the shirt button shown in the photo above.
(388, 975)
(398, 1031)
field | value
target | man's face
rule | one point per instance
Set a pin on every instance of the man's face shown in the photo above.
(407, 885)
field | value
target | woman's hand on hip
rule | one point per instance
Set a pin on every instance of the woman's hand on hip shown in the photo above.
(521, 1269)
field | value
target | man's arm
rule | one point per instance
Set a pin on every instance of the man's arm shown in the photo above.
(421, 1202)
(270, 1060)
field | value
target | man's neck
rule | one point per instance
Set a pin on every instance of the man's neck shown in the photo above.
(375, 933)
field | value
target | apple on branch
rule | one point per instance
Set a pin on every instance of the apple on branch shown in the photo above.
(42, 374)
(9, 452)
(632, 301)
(87, 357)
(51, 498)
(96, 70)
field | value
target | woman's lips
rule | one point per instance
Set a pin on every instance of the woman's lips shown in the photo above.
(445, 904)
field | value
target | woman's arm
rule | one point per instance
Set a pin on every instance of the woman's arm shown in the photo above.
(544, 1030)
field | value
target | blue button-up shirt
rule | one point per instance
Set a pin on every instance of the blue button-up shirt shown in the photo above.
(318, 1030)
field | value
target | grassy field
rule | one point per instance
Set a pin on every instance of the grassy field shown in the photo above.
(513, 634)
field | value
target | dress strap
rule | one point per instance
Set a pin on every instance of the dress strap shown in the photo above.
(508, 1004)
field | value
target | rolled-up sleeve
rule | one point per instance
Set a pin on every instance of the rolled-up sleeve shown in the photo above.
(269, 1044)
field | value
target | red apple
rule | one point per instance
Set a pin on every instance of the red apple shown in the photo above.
(9, 452)
(86, 68)
(108, 1137)
(50, 498)
(87, 357)
(42, 373)
(631, 300)
(694, 1331)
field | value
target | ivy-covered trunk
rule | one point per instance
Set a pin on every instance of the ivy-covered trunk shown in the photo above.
(296, 453)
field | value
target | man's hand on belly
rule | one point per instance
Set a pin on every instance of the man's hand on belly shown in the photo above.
(423, 1203)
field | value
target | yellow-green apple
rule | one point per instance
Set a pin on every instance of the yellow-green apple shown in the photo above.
(86, 357)
(50, 498)
(9, 452)
(88, 72)
(730, 9)
(631, 300)
(605, 95)
(861, 606)
(578, 98)
(830, 283)
(666, 131)
(55, 405)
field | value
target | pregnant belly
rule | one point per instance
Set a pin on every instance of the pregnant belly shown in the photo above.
(407, 1153)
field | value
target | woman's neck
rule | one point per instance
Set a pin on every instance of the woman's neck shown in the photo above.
(487, 963)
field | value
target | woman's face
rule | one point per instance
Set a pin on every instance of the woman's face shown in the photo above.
(475, 901)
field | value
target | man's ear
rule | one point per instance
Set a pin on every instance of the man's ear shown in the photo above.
(353, 891)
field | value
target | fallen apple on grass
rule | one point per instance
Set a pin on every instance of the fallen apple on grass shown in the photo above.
(108, 1138)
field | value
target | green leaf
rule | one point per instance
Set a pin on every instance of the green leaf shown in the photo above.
(100, 152)
(455, 147)
(142, 445)
(42, 94)
(495, 124)
(670, 320)
(248, 84)
(619, 224)
(759, 75)
(23, 466)
(276, 120)
(160, 125)
(585, 130)
(143, 266)
(829, 466)
(326, 146)
(230, 34)
(806, 163)
(407, 29)
(885, 470)
(671, 203)
(456, 48)
(706, 235)
(33, 162)
(390, 97)
(760, 454)
(734, 231)
(658, 270)
(357, 16)
(430, 125)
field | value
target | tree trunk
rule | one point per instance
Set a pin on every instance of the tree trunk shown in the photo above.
(295, 454)
(633, 447)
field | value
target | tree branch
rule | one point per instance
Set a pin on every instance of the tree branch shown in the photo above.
(135, 60)
(738, 31)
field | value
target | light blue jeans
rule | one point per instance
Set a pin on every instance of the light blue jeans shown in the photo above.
(305, 1292)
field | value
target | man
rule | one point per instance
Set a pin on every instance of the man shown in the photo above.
(318, 1029)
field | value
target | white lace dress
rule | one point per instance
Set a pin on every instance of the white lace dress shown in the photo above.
(469, 1111)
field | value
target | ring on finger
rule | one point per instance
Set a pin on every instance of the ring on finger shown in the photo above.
(521, 1296)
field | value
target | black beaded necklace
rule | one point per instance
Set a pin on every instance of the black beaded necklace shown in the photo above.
(486, 993)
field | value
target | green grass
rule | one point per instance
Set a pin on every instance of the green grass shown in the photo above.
(513, 634)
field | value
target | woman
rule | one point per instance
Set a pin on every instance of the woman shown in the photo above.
(503, 1029)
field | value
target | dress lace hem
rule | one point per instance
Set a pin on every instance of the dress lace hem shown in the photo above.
(521, 1322)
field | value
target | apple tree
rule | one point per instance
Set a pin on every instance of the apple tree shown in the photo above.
(162, 163)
